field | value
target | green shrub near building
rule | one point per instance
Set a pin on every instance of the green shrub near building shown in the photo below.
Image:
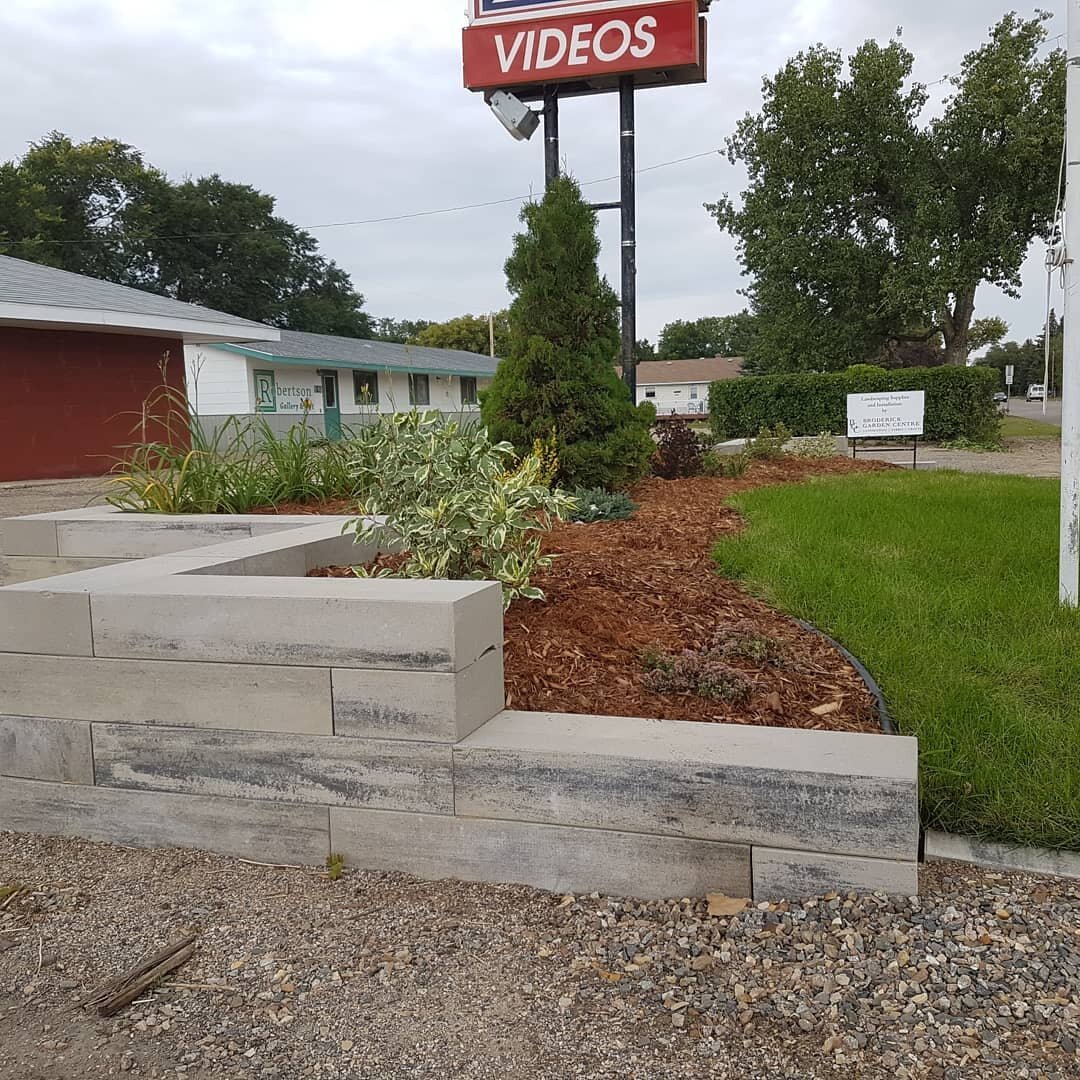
(959, 401)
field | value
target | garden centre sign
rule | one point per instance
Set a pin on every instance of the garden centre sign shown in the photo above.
(511, 43)
(897, 413)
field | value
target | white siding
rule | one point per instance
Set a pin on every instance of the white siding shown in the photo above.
(677, 397)
(217, 381)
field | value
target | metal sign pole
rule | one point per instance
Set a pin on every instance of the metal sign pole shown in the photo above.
(1069, 551)
(628, 206)
(551, 135)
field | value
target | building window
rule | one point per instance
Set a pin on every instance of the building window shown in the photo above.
(365, 387)
(265, 392)
(468, 390)
(693, 393)
(650, 392)
(419, 393)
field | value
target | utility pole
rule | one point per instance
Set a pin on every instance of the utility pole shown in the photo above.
(491, 332)
(1069, 551)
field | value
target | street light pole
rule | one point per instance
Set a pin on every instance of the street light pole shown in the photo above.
(1069, 551)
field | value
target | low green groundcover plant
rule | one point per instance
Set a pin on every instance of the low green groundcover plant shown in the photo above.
(596, 504)
(459, 506)
(945, 586)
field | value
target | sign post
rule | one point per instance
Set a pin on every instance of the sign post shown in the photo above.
(546, 50)
(1009, 372)
(890, 414)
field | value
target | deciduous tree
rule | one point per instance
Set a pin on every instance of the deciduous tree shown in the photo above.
(862, 221)
(470, 333)
(97, 208)
(721, 335)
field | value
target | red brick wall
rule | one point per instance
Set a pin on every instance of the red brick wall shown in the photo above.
(69, 399)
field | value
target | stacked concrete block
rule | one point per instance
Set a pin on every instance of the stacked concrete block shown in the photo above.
(44, 545)
(213, 696)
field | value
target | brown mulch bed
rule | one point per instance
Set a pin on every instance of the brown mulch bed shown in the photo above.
(622, 587)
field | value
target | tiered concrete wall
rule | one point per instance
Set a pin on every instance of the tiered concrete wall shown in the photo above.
(212, 696)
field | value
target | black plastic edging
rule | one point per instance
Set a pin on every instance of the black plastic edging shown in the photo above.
(888, 726)
(884, 718)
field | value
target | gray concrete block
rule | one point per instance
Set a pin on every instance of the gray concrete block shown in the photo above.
(19, 568)
(376, 773)
(780, 787)
(265, 831)
(332, 622)
(794, 875)
(552, 857)
(41, 749)
(252, 697)
(115, 573)
(41, 621)
(138, 536)
(31, 535)
(442, 706)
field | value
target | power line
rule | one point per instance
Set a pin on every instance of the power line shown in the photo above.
(410, 216)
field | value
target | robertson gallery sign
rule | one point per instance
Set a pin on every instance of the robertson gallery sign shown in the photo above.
(517, 42)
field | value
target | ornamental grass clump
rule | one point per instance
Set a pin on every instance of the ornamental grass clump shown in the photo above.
(456, 505)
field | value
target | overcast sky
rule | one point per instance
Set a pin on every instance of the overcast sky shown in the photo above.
(347, 109)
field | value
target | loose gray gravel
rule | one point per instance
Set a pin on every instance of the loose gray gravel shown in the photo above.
(380, 975)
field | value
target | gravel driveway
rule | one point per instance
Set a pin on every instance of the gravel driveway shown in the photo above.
(48, 496)
(382, 976)
(1022, 457)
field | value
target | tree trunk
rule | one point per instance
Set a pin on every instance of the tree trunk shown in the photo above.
(955, 324)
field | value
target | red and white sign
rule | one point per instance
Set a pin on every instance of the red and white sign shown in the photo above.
(582, 45)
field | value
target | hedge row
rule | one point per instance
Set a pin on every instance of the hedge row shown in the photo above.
(959, 401)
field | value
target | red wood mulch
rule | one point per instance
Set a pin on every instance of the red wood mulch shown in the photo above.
(619, 588)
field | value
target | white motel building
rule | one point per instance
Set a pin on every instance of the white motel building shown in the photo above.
(336, 382)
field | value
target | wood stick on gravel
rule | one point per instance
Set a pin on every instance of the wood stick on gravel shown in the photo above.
(122, 989)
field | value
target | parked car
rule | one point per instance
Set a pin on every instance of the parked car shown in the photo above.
(1036, 392)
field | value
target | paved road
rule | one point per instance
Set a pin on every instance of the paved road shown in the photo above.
(1033, 410)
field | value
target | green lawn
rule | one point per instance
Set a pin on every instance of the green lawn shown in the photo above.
(1021, 426)
(945, 585)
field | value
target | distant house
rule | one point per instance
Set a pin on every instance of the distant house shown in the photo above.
(79, 357)
(335, 381)
(681, 387)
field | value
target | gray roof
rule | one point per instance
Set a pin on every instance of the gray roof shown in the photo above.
(30, 283)
(377, 355)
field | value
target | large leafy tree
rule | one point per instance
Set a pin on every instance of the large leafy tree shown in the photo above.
(72, 205)
(220, 244)
(470, 333)
(863, 227)
(97, 208)
(397, 330)
(718, 335)
(559, 369)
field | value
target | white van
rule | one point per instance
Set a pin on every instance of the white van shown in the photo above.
(1036, 392)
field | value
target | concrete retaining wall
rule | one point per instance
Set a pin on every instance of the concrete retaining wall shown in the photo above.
(212, 696)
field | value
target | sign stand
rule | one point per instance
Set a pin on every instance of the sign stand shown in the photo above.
(886, 449)
(626, 205)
